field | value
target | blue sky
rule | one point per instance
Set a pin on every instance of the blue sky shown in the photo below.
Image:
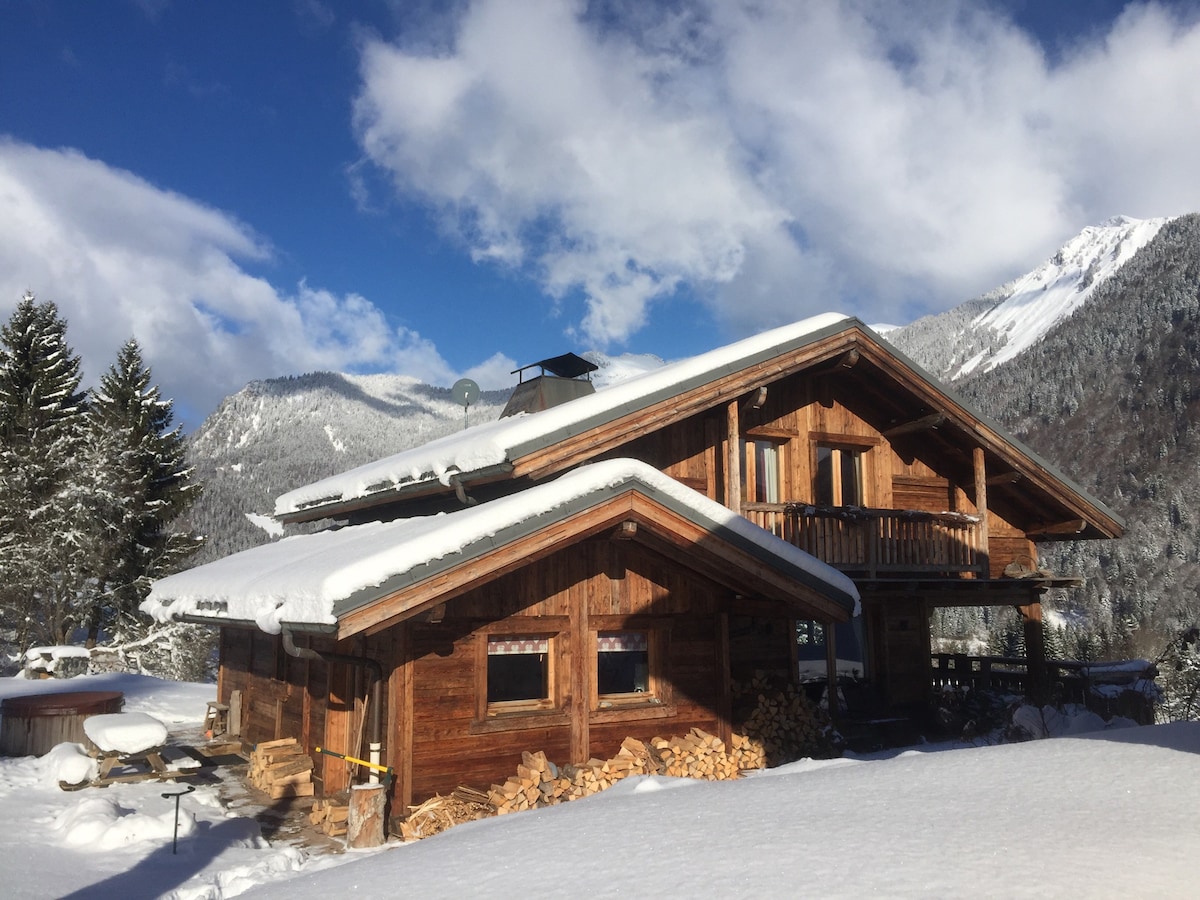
(446, 189)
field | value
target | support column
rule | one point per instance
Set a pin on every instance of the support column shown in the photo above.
(831, 669)
(725, 697)
(580, 663)
(1035, 651)
(733, 458)
(981, 508)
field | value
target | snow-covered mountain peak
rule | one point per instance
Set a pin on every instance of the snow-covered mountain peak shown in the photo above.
(1035, 303)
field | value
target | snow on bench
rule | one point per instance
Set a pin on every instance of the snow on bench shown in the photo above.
(128, 732)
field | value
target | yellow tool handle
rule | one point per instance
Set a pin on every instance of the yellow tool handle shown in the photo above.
(361, 762)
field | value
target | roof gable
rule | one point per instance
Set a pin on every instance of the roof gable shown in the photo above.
(362, 577)
(536, 446)
(488, 450)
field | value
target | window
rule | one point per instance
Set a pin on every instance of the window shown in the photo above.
(519, 673)
(761, 466)
(811, 650)
(839, 476)
(624, 669)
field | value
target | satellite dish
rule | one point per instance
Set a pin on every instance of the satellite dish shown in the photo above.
(465, 392)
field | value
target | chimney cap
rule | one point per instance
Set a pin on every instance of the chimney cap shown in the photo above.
(568, 365)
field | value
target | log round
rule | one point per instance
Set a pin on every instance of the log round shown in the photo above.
(367, 805)
(34, 724)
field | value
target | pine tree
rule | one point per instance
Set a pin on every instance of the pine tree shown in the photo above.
(45, 534)
(142, 485)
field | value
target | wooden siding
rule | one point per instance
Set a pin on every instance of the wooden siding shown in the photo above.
(805, 410)
(593, 586)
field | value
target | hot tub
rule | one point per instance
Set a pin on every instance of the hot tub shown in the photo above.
(32, 725)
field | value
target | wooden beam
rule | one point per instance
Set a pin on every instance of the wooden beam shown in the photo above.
(403, 704)
(1058, 529)
(925, 423)
(981, 507)
(626, 531)
(733, 459)
(831, 682)
(1035, 651)
(581, 674)
(1004, 479)
(756, 400)
(725, 674)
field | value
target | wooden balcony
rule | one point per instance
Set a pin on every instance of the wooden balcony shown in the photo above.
(877, 542)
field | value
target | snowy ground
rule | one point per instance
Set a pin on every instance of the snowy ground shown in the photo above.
(1105, 814)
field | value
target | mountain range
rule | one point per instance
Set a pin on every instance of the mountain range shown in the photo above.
(1092, 359)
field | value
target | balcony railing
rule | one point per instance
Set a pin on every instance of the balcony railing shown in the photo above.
(876, 541)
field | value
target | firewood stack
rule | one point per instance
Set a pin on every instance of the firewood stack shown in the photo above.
(777, 714)
(747, 753)
(331, 815)
(281, 769)
(539, 782)
(438, 813)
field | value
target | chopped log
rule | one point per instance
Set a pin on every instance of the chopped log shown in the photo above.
(366, 820)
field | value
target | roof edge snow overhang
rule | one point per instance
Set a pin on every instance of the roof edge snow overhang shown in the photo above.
(698, 533)
(226, 622)
(429, 584)
(410, 490)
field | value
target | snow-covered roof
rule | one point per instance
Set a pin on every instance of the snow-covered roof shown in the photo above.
(495, 444)
(315, 578)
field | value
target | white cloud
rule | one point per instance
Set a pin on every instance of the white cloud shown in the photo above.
(780, 157)
(121, 257)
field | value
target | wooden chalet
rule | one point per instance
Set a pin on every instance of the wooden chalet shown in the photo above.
(776, 480)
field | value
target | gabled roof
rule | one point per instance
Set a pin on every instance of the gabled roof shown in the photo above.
(365, 576)
(489, 450)
(544, 443)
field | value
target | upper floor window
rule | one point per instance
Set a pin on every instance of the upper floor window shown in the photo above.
(762, 464)
(839, 476)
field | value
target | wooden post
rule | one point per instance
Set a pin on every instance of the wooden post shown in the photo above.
(733, 459)
(235, 713)
(831, 680)
(981, 507)
(581, 664)
(1035, 651)
(365, 825)
(402, 753)
(725, 697)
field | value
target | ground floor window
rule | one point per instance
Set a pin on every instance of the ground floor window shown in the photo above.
(519, 672)
(622, 662)
(625, 668)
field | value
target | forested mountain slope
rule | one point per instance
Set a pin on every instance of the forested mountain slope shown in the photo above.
(1111, 394)
(273, 436)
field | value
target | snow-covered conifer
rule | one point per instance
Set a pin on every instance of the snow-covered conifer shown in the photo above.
(142, 485)
(45, 528)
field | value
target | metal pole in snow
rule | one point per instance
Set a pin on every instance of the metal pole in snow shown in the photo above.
(177, 795)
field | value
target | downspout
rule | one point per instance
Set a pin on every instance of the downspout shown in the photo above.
(376, 669)
(460, 490)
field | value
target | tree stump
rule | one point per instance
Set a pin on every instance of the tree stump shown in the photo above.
(367, 818)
